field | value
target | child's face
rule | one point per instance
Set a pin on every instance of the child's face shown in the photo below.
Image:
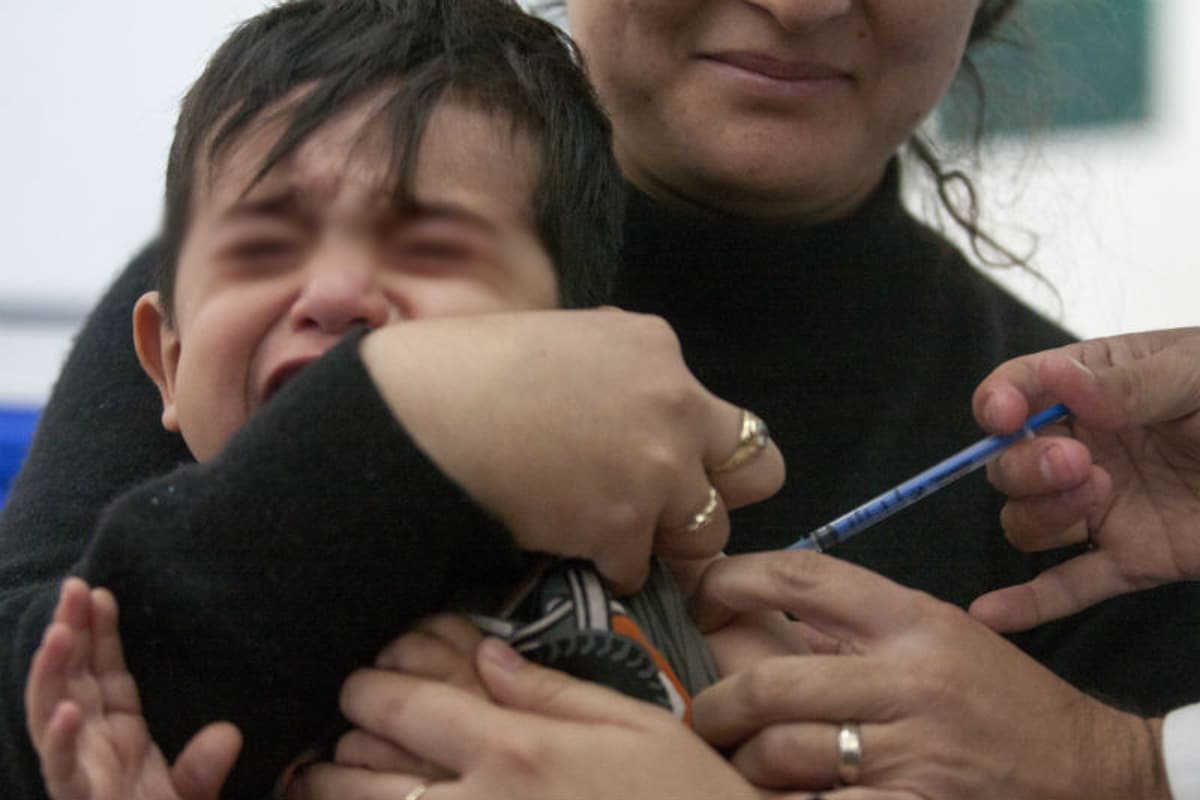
(269, 281)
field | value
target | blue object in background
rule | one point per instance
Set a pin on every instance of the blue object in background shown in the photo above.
(16, 430)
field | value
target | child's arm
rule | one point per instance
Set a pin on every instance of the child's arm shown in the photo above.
(86, 722)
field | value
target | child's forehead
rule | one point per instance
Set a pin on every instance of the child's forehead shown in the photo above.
(461, 142)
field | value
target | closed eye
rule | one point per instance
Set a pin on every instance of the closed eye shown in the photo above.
(435, 251)
(263, 249)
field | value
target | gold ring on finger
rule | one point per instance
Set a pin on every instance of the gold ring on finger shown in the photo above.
(752, 440)
(417, 792)
(705, 515)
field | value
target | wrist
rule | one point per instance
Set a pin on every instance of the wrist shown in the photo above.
(1128, 760)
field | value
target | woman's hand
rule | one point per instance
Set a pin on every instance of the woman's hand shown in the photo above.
(555, 737)
(742, 640)
(947, 709)
(582, 431)
(439, 648)
(1123, 475)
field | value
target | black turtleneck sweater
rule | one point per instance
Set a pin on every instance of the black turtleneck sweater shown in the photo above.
(859, 342)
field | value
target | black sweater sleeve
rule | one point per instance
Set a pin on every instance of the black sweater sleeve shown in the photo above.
(250, 586)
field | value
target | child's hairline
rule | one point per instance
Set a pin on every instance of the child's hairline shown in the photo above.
(219, 144)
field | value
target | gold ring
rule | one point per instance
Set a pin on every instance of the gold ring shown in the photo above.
(704, 515)
(751, 441)
(849, 753)
(417, 792)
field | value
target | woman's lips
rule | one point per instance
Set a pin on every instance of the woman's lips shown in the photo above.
(779, 76)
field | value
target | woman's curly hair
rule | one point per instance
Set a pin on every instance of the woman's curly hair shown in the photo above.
(956, 192)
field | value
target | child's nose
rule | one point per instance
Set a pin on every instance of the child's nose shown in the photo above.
(341, 291)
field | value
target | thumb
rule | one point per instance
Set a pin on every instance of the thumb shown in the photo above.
(1160, 387)
(206, 762)
(1066, 589)
(517, 683)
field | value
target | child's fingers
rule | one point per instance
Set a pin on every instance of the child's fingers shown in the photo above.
(205, 762)
(47, 683)
(107, 655)
(73, 607)
(58, 750)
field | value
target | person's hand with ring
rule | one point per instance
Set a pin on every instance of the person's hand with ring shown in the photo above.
(1122, 475)
(551, 737)
(631, 468)
(909, 698)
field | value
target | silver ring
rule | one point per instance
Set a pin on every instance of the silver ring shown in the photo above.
(706, 514)
(849, 753)
(417, 792)
(752, 440)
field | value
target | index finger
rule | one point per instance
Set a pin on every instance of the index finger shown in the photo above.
(1004, 399)
(444, 725)
(838, 598)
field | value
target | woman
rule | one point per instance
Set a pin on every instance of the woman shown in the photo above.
(775, 244)
(769, 234)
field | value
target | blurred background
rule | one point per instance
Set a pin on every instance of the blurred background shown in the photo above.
(1090, 162)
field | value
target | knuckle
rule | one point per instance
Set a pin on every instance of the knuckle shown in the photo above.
(659, 457)
(763, 685)
(778, 746)
(655, 331)
(791, 575)
(941, 620)
(453, 627)
(348, 751)
(621, 519)
(1011, 521)
(521, 754)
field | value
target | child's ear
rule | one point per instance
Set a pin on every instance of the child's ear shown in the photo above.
(157, 346)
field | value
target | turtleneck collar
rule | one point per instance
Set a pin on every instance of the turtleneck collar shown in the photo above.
(651, 226)
(690, 266)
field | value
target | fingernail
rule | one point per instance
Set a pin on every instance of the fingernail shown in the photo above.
(988, 414)
(500, 654)
(1051, 465)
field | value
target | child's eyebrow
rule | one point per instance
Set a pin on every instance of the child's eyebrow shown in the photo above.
(282, 203)
(426, 211)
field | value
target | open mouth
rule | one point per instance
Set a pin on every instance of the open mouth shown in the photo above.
(282, 375)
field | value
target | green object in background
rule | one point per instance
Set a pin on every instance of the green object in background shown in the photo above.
(1061, 63)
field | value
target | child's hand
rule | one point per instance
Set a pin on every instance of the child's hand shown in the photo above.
(85, 717)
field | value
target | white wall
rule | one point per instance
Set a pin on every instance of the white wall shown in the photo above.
(90, 92)
(1116, 210)
(88, 99)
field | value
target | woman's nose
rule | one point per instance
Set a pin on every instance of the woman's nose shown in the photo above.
(799, 15)
(341, 290)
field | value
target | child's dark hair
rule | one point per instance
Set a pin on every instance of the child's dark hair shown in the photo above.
(487, 53)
